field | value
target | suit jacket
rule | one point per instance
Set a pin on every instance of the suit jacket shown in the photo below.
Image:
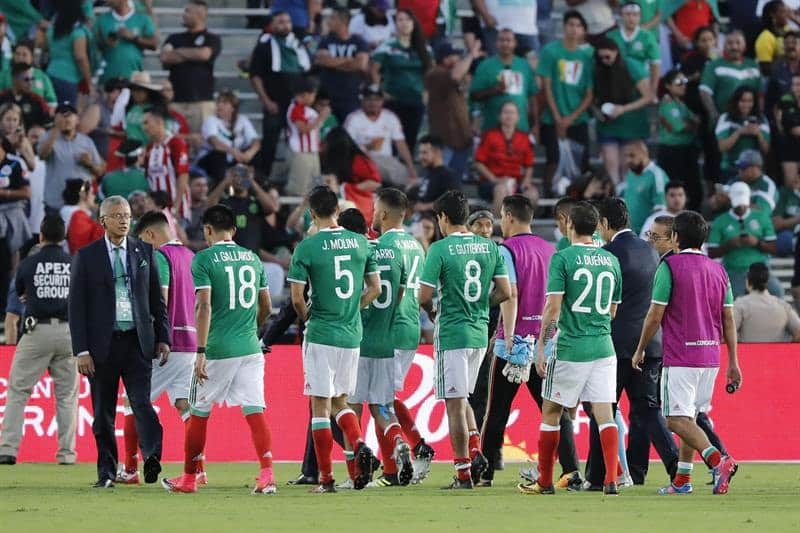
(638, 262)
(92, 299)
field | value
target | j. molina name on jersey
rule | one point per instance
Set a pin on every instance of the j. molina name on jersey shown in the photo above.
(593, 260)
(469, 248)
(231, 256)
(345, 243)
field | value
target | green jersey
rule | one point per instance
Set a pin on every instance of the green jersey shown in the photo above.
(41, 84)
(123, 182)
(334, 263)
(406, 320)
(662, 286)
(564, 242)
(134, 124)
(590, 280)
(634, 124)
(235, 276)
(763, 193)
(378, 319)
(676, 123)
(721, 78)
(62, 61)
(163, 269)
(650, 10)
(570, 75)
(122, 57)
(644, 193)
(788, 204)
(727, 126)
(729, 225)
(519, 82)
(640, 46)
(402, 71)
(462, 266)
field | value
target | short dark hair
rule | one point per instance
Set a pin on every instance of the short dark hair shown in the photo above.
(395, 199)
(303, 85)
(341, 11)
(574, 14)
(674, 184)
(520, 207)
(201, 3)
(584, 217)
(220, 217)
(615, 210)
(72, 191)
(151, 219)
(322, 201)
(453, 204)
(666, 221)
(564, 206)
(758, 276)
(52, 228)
(691, 229)
(353, 220)
(158, 111)
(25, 43)
(433, 140)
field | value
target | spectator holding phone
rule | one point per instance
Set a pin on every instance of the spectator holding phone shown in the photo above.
(742, 127)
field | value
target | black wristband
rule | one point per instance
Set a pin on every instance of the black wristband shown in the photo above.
(200, 349)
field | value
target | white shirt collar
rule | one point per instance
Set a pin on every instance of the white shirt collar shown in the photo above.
(131, 13)
(223, 241)
(110, 245)
(691, 251)
(737, 217)
(632, 36)
(586, 244)
(173, 242)
(619, 232)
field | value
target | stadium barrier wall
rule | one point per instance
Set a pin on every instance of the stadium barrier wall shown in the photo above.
(756, 423)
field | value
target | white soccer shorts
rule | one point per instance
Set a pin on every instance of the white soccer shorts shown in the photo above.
(375, 382)
(234, 381)
(174, 378)
(329, 371)
(687, 391)
(457, 372)
(569, 382)
(403, 359)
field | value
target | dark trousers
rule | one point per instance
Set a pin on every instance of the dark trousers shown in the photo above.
(646, 425)
(681, 163)
(410, 116)
(215, 164)
(271, 128)
(309, 467)
(125, 361)
(707, 426)
(501, 395)
(6, 262)
(480, 396)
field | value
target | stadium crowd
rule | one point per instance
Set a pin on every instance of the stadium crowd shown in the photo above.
(667, 105)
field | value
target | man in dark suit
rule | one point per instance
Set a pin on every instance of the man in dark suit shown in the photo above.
(118, 321)
(638, 262)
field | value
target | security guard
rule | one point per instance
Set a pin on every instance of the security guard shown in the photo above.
(43, 281)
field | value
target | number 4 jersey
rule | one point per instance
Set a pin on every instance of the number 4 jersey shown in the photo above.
(462, 266)
(235, 276)
(590, 281)
(334, 263)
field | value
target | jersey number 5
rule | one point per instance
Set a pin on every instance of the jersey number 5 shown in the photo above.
(339, 273)
(578, 307)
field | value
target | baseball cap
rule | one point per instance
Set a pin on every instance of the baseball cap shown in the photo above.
(446, 49)
(739, 194)
(129, 148)
(371, 89)
(749, 158)
(66, 107)
(477, 215)
(383, 5)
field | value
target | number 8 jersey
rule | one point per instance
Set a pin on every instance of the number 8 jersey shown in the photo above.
(589, 278)
(235, 276)
(334, 263)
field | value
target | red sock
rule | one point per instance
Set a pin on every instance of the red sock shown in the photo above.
(548, 444)
(323, 444)
(350, 425)
(195, 443)
(262, 438)
(681, 479)
(609, 439)
(474, 442)
(350, 461)
(463, 465)
(712, 456)
(387, 439)
(131, 443)
(201, 462)
(407, 423)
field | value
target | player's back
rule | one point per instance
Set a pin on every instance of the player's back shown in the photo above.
(181, 302)
(334, 262)
(406, 319)
(235, 276)
(589, 279)
(379, 317)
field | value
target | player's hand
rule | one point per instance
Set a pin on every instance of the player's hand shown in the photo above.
(509, 341)
(162, 350)
(749, 240)
(541, 363)
(200, 368)
(86, 365)
(734, 373)
(637, 360)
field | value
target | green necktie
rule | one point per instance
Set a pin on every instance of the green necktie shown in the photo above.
(124, 321)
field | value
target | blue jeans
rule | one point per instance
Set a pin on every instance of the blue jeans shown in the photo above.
(457, 160)
(66, 91)
(785, 243)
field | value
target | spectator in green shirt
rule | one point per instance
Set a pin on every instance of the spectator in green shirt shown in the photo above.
(742, 127)
(123, 35)
(786, 216)
(131, 178)
(68, 43)
(636, 43)
(41, 84)
(763, 192)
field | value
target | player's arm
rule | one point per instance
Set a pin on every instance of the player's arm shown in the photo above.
(651, 324)
(373, 289)
(264, 306)
(299, 301)
(202, 316)
(426, 297)
(501, 292)
(508, 310)
(550, 315)
(181, 187)
(613, 311)
(734, 374)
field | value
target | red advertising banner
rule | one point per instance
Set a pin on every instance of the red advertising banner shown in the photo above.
(756, 423)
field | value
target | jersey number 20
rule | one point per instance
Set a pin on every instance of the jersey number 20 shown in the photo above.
(599, 307)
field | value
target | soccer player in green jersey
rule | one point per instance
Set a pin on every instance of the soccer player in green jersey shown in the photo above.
(583, 290)
(336, 264)
(462, 266)
(232, 301)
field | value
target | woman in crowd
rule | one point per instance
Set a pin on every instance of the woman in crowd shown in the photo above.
(740, 128)
(230, 138)
(769, 44)
(341, 157)
(402, 62)
(81, 226)
(41, 85)
(504, 160)
(678, 142)
(13, 130)
(787, 120)
(67, 42)
(621, 92)
(373, 23)
(143, 94)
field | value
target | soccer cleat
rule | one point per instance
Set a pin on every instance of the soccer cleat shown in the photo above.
(459, 484)
(610, 489)
(479, 466)
(386, 480)
(324, 488)
(402, 456)
(674, 489)
(484, 483)
(265, 482)
(423, 456)
(571, 481)
(8, 460)
(183, 484)
(127, 478)
(364, 457)
(530, 473)
(346, 485)
(535, 488)
(625, 480)
(723, 473)
(202, 477)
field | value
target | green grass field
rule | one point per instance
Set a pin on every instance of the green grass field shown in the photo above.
(39, 497)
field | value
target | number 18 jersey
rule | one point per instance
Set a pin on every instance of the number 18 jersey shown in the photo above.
(590, 280)
(235, 276)
(334, 263)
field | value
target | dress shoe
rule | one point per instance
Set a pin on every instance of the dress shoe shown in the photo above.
(103, 484)
(152, 468)
(303, 480)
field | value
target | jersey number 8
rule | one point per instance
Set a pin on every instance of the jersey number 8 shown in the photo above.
(472, 271)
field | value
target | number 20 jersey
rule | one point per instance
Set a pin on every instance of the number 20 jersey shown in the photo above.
(334, 263)
(235, 276)
(590, 280)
